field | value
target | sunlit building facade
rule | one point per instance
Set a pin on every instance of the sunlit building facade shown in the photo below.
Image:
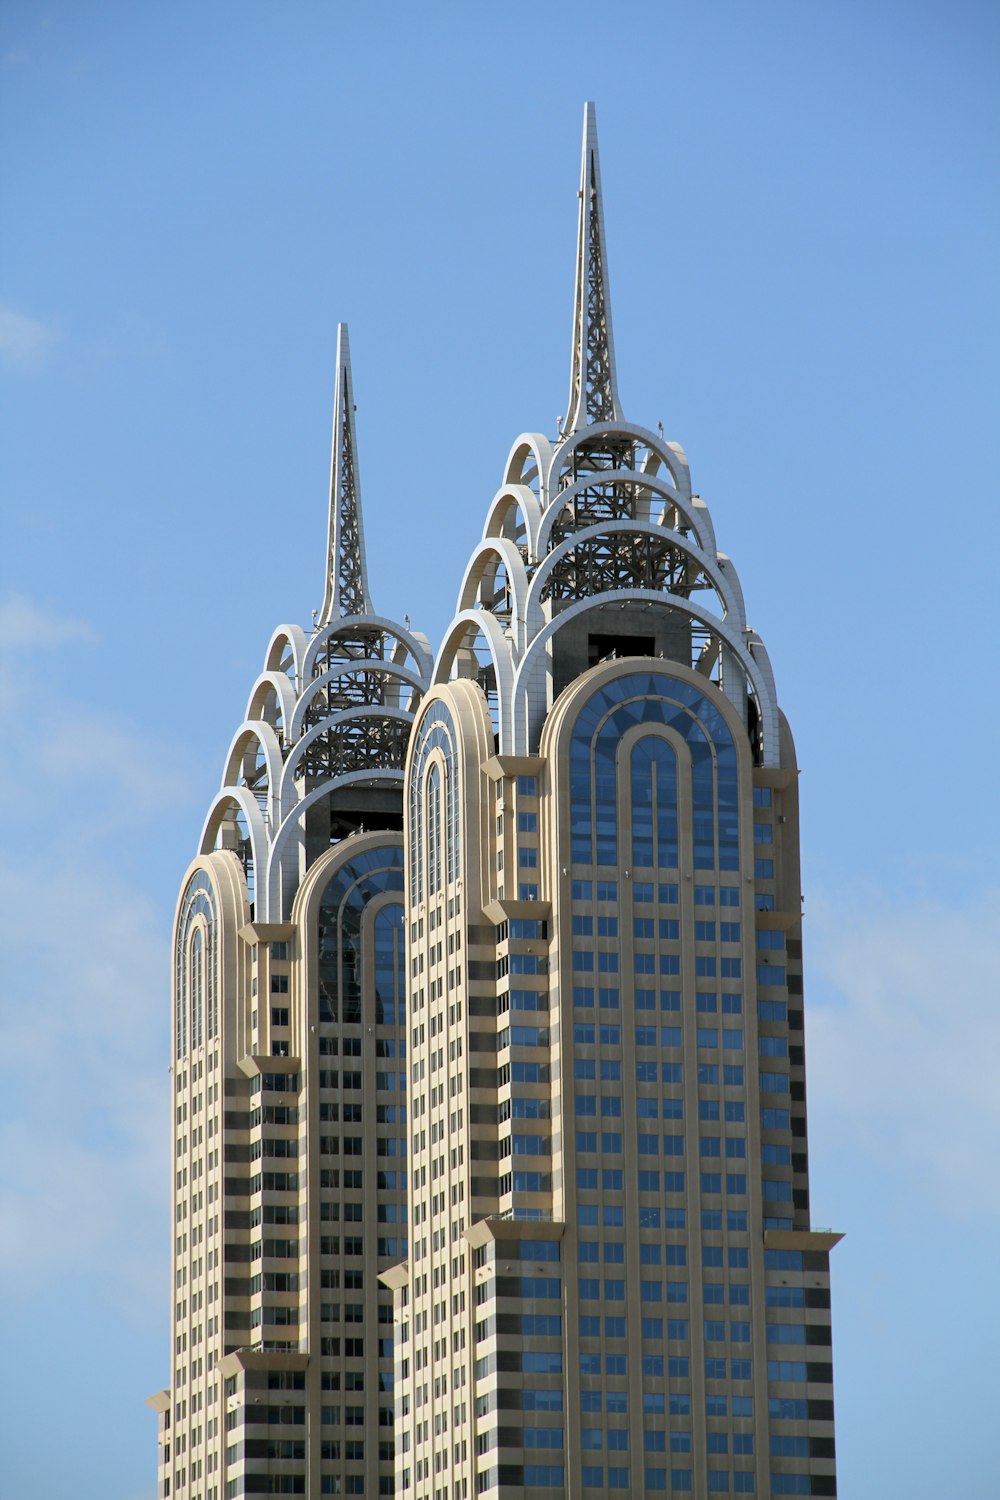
(490, 1152)
(613, 1282)
(289, 1040)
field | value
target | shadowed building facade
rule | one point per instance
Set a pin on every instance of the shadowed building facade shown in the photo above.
(613, 1281)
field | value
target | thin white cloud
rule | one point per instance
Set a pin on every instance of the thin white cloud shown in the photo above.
(25, 627)
(903, 1036)
(83, 1158)
(84, 1125)
(25, 343)
(81, 756)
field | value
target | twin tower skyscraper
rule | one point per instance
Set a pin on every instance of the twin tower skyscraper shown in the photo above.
(489, 1133)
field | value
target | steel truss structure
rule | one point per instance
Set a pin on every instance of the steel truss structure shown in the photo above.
(330, 710)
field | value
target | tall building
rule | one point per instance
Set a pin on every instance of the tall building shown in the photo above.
(613, 1282)
(289, 1036)
(548, 886)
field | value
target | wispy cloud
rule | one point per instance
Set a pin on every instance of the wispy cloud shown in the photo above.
(24, 626)
(83, 1010)
(903, 1037)
(25, 343)
(82, 1141)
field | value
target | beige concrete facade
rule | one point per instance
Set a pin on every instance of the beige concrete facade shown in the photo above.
(490, 1162)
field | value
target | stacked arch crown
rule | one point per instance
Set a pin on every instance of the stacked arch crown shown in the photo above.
(596, 546)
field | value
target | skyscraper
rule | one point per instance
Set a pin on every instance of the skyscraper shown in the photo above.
(612, 1282)
(289, 1148)
(547, 887)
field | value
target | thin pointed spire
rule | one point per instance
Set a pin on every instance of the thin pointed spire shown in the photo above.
(346, 569)
(593, 385)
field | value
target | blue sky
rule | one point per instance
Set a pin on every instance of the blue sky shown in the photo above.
(802, 219)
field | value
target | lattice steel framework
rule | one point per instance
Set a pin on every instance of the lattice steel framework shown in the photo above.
(347, 575)
(593, 395)
(334, 706)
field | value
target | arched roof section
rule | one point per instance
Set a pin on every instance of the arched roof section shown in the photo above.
(286, 652)
(503, 551)
(528, 463)
(396, 679)
(565, 713)
(274, 687)
(310, 893)
(529, 699)
(514, 500)
(461, 708)
(280, 879)
(351, 625)
(348, 717)
(670, 454)
(231, 804)
(722, 580)
(695, 514)
(263, 735)
(225, 873)
(462, 634)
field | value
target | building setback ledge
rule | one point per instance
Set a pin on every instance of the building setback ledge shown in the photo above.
(396, 1276)
(499, 766)
(266, 1062)
(159, 1402)
(801, 1239)
(506, 1227)
(506, 909)
(262, 1359)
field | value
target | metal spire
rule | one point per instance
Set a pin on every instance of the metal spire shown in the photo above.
(593, 386)
(347, 572)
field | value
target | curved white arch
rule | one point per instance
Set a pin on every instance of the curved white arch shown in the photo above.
(478, 620)
(247, 804)
(267, 739)
(345, 624)
(517, 577)
(540, 449)
(529, 697)
(352, 715)
(288, 842)
(725, 581)
(696, 514)
(671, 454)
(522, 499)
(295, 637)
(377, 666)
(282, 689)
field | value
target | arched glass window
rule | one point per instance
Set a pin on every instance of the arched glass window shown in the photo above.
(654, 803)
(653, 697)
(437, 732)
(197, 988)
(390, 966)
(342, 985)
(196, 961)
(433, 825)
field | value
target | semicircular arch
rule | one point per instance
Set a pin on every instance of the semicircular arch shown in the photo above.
(529, 462)
(671, 455)
(528, 700)
(476, 573)
(394, 677)
(724, 582)
(272, 689)
(458, 658)
(365, 623)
